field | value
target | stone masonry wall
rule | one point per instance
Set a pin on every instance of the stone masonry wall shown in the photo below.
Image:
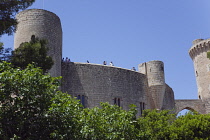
(45, 25)
(198, 53)
(101, 83)
(96, 83)
(196, 105)
(168, 100)
(154, 70)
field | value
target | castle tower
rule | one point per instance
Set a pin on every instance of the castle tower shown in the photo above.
(198, 53)
(44, 25)
(156, 81)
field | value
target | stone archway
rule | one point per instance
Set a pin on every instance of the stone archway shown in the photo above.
(194, 105)
(184, 111)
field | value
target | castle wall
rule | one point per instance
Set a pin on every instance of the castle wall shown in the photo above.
(154, 70)
(198, 53)
(101, 83)
(168, 100)
(45, 25)
(93, 83)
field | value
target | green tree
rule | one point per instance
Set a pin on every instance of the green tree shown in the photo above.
(107, 122)
(25, 98)
(191, 126)
(65, 115)
(155, 125)
(34, 52)
(8, 9)
(33, 108)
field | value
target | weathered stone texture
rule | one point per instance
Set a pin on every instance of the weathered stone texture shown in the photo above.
(104, 83)
(154, 70)
(45, 25)
(92, 82)
(196, 105)
(198, 53)
(168, 100)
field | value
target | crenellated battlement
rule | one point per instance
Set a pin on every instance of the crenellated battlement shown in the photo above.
(199, 46)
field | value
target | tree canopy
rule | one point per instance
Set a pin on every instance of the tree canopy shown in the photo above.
(34, 52)
(8, 9)
(33, 108)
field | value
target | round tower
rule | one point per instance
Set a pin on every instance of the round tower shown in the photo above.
(156, 80)
(198, 53)
(44, 25)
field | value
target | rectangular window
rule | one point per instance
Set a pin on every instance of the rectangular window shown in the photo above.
(78, 97)
(117, 101)
(81, 99)
(142, 107)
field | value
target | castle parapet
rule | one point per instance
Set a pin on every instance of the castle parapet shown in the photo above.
(199, 46)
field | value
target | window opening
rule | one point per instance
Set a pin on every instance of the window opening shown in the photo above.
(78, 97)
(117, 101)
(81, 99)
(162, 68)
(142, 107)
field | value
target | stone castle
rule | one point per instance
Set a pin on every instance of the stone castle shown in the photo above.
(95, 83)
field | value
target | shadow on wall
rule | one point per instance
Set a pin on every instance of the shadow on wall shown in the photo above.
(71, 83)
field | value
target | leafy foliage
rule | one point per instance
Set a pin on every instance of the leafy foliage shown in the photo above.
(155, 124)
(64, 112)
(8, 9)
(33, 108)
(34, 52)
(25, 97)
(107, 122)
(191, 126)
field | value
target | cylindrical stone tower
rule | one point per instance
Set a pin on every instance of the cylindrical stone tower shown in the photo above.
(44, 25)
(198, 53)
(156, 80)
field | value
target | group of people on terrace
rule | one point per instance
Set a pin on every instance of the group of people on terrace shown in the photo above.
(104, 63)
(66, 60)
(111, 63)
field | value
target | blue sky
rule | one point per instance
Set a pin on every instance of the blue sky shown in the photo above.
(130, 32)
